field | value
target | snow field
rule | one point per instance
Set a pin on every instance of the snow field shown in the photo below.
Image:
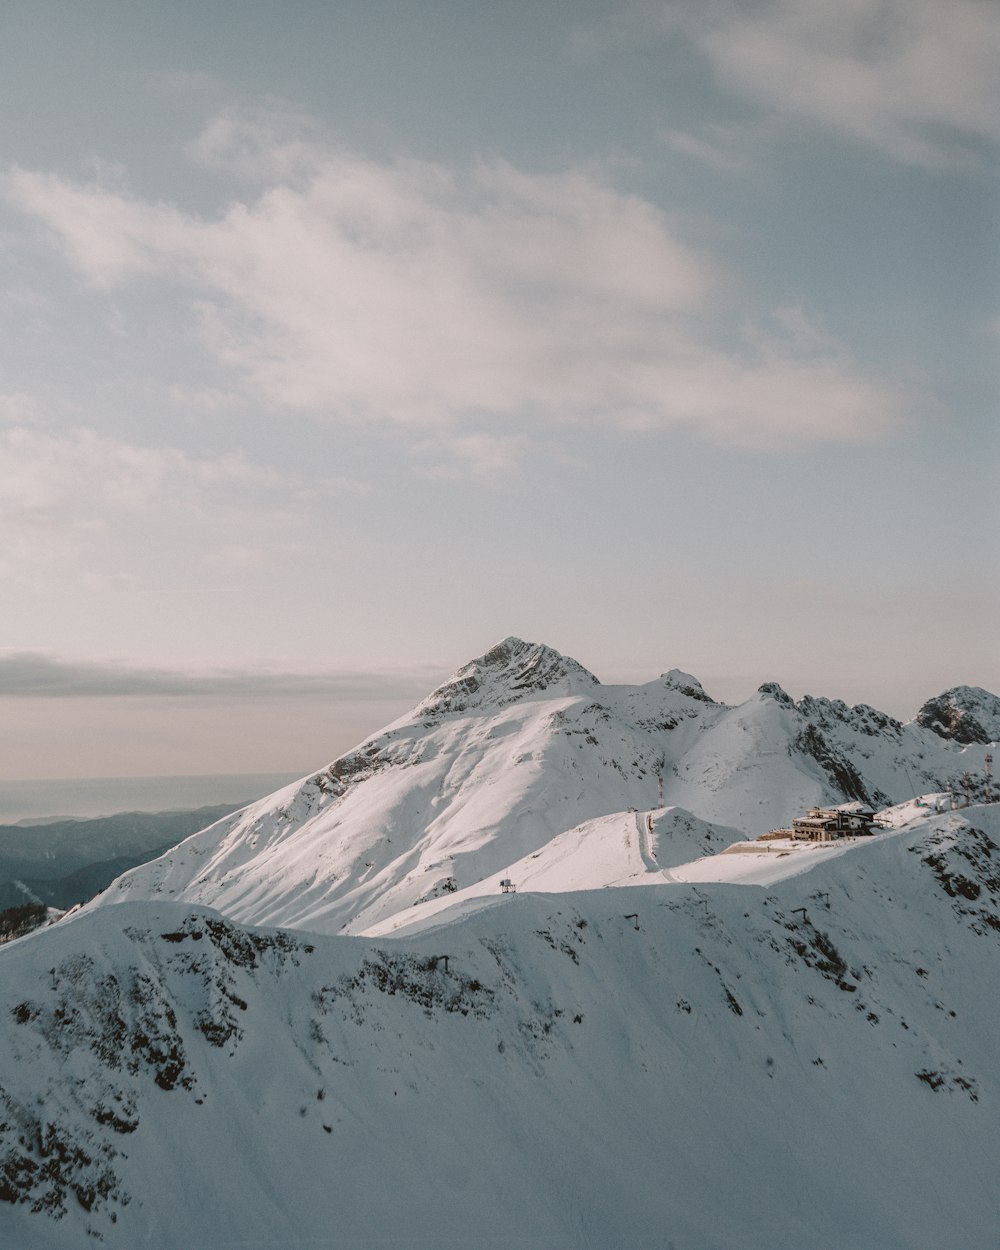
(733, 1072)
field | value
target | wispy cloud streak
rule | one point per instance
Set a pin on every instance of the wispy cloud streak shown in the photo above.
(40, 675)
(67, 499)
(412, 293)
(915, 79)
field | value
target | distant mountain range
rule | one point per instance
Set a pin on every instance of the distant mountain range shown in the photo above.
(480, 984)
(65, 862)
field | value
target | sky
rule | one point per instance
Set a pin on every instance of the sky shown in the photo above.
(341, 340)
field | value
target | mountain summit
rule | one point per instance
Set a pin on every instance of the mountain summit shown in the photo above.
(965, 714)
(510, 671)
(523, 746)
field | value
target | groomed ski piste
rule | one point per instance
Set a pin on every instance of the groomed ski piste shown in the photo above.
(629, 849)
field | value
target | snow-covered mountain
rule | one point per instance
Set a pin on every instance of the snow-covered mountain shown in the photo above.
(512, 761)
(323, 1022)
(711, 1066)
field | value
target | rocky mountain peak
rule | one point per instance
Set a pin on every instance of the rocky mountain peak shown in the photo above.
(684, 683)
(510, 671)
(963, 714)
(772, 690)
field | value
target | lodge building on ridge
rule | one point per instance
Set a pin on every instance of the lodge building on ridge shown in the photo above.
(825, 824)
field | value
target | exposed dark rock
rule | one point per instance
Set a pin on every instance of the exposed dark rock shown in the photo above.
(507, 673)
(772, 690)
(842, 774)
(964, 714)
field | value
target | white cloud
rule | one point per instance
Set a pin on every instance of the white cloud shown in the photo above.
(486, 453)
(408, 292)
(204, 399)
(269, 142)
(917, 79)
(478, 454)
(68, 500)
(42, 473)
(718, 152)
(17, 407)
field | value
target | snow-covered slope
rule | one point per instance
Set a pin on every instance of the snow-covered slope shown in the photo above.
(522, 746)
(810, 1063)
(624, 849)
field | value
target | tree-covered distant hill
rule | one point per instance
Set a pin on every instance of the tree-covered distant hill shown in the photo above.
(69, 861)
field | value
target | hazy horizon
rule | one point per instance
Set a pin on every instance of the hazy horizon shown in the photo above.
(75, 798)
(32, 796)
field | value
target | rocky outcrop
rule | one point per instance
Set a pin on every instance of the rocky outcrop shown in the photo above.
(964, 714)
